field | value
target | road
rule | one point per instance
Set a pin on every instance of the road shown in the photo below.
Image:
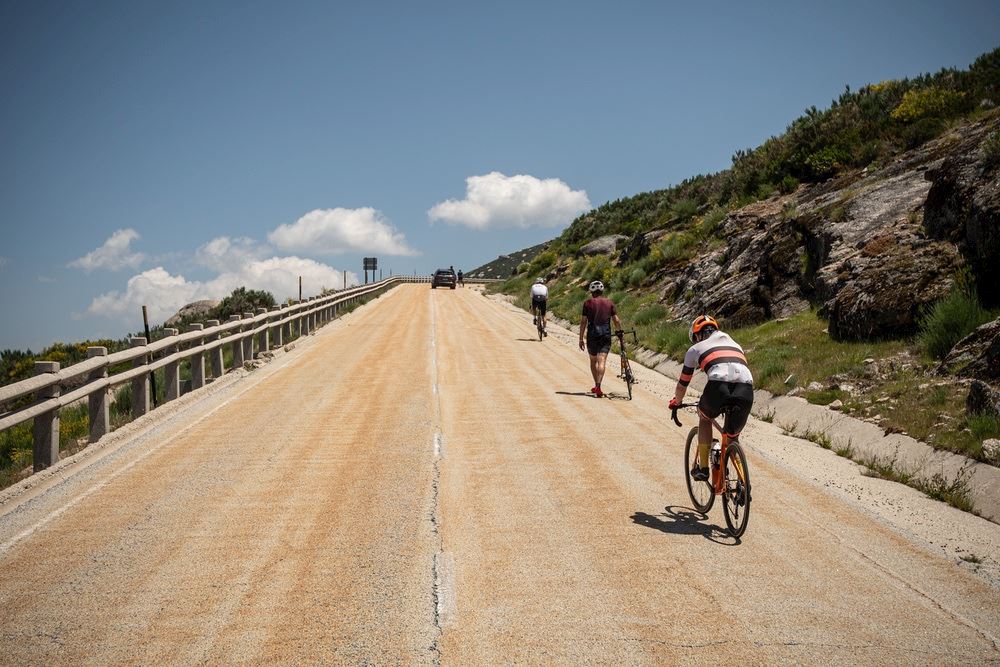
(423, 483)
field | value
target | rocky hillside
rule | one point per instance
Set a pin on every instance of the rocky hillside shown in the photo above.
(505, 266)
(861, 253)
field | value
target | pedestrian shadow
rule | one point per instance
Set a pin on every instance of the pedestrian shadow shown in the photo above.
(685, 521)
(576, 393)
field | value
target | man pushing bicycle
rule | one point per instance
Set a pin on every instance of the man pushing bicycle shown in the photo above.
(730, 384)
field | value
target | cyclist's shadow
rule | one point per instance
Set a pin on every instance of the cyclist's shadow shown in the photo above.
(684, 521)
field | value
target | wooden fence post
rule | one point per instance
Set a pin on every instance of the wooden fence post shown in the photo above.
(46, 425)
(172, 371)
(140, 385)
(98, 405)
(198, 360)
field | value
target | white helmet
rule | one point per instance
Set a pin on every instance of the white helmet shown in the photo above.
(539, 281)
(597, 286)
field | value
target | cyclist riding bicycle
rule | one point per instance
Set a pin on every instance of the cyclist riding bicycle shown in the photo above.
(730, 385)
(539, 299)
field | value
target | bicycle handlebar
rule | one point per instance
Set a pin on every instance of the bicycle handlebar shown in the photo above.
(673, 412)
(621, 335)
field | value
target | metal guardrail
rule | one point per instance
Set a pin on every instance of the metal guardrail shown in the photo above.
(249, 334)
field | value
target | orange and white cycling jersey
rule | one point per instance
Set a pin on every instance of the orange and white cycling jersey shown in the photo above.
(720, 357)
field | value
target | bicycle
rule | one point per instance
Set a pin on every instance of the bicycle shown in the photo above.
(541, 327)
(626, 373)
(729, 476)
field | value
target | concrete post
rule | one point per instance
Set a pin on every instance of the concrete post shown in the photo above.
(172, 371)
(286, 329)
(215, 354)
(237, 343)
(264, 341)
(248, 339)
(97, 403)
(303, 324)
(46, 425)
(197, 360)
(140, 385)
(279, 339)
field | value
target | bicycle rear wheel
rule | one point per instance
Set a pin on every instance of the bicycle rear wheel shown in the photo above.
(541, 331)
(702, 494)
(736, 495)
(627, 376)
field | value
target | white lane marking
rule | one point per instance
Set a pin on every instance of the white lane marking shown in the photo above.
(435, 388)
(444, 588)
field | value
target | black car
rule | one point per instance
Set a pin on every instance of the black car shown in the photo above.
(443, 278)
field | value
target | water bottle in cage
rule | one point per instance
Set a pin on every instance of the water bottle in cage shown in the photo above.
(716, 453)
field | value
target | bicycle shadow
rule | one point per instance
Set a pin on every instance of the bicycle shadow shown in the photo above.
(685, 521)
(527, 340)
(576, 393)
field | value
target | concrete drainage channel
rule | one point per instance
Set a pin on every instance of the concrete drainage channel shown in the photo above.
(863, 441)
(860, 440)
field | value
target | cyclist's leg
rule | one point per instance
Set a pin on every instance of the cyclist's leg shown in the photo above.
(709, 407)
(741, 399)
(542, 307)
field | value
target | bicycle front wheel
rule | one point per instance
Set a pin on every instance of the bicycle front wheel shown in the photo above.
(736, 492)
(541, 332)
(702, 494)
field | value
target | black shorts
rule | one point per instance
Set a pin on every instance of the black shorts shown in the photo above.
(539, 304)
(597, 344)
(719, 395)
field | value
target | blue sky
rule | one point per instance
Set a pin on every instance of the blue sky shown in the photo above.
(159, 152)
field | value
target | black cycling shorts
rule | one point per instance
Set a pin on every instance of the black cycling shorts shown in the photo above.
(540, 304)
(597, 344)
(718, 395)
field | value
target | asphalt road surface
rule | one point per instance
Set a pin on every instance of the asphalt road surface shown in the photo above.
(423, 482)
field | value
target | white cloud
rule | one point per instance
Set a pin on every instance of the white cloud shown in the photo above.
(333, 231)
(228, 254)
(164, 293)
(115, 254)
(521, 201)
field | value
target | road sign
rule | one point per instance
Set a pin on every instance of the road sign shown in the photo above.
(371, 263)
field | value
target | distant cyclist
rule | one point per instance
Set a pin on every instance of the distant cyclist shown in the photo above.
(539, 300)
(729, 384)
(461, 278)
(595, 331)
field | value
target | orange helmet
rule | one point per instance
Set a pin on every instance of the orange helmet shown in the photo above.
(700, 324)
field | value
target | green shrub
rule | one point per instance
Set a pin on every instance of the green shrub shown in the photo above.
(787, 185)
(952, 319)
(521, 268)
(637, 276)
(685, 209)
(927, 103)
(990, 150)
(923, 131)
(678, 246)
(650, 314)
